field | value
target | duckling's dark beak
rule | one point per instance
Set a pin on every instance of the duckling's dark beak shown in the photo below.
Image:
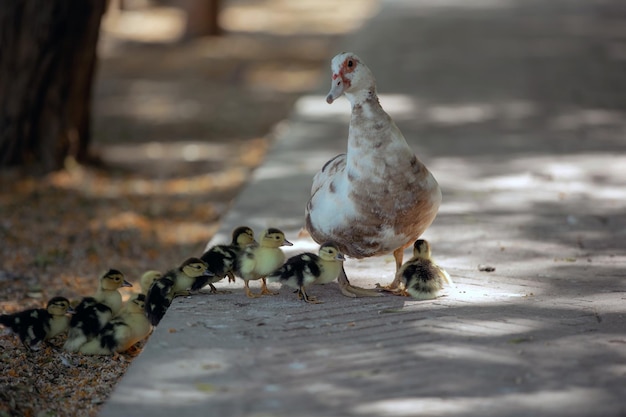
(208, 273)
(287, 243)
(126, 284)
(340, 257)
(71, 310)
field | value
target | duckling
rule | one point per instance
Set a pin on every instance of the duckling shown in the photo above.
(256, 262)
(92, 313)
(147, 279)
(423, 278)
(222, 258)
(39, 324)
(108, 293)
(123, 331)
(305, 269)
(175, 282)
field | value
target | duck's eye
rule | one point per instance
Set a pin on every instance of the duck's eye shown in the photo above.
(350, 63)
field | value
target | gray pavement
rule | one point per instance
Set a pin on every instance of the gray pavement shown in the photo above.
(519, 110)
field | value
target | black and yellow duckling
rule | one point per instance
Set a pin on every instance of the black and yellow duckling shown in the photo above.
(423, 279)
(38, 324)
(222, 258)
(123, 331)
(257, 262)
(92, 313)
(308, 268)
(173, 283)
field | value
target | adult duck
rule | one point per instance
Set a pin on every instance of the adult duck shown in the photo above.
(378, 197)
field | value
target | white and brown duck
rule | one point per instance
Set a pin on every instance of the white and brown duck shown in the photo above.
(378, 197)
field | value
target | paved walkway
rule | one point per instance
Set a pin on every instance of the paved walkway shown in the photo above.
(519, 109)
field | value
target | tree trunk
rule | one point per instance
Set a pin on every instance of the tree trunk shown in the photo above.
(202, 18)
(47, 64)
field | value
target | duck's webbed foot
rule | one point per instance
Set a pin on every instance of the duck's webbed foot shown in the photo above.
(395, 288)
(351, 291)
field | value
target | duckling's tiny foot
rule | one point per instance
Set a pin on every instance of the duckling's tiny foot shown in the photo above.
(308, 298)
(250, 294)
(216, 291)
(266, 291)
(133, 351)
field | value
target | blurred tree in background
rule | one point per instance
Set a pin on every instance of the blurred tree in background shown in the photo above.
(47, 64)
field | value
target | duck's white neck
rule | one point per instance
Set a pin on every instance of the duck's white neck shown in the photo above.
(361, 96)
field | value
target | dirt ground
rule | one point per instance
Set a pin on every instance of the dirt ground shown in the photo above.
(179, 127)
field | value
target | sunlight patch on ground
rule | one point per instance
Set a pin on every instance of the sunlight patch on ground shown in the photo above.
(93, 185)
(559, 402)
(165, 24)
(315, 16)
(480, 328)
(400, 105)
(470, 353)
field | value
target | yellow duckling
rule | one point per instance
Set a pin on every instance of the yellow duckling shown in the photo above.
(123, 331)
(175, 282)
(38, 324)
(222, 258)
(257, 262)
(108, 293)
(147, 278)
(92, 313)
(305, 269)
(423, 278)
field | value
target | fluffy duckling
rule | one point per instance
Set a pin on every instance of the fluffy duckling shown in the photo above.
(92, 313)
(175, 282)
(305, 269)
(222, 258)
(378, 197)
(39, 324)
(423, 278)
(123, 331)
(257, 262)
(146, 280)
(108, 293)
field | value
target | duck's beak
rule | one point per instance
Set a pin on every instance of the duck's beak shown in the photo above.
(287, 243)
(340, 257)
(126, 284)
(336, 89)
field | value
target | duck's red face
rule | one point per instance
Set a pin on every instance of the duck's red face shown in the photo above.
(342, 66)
